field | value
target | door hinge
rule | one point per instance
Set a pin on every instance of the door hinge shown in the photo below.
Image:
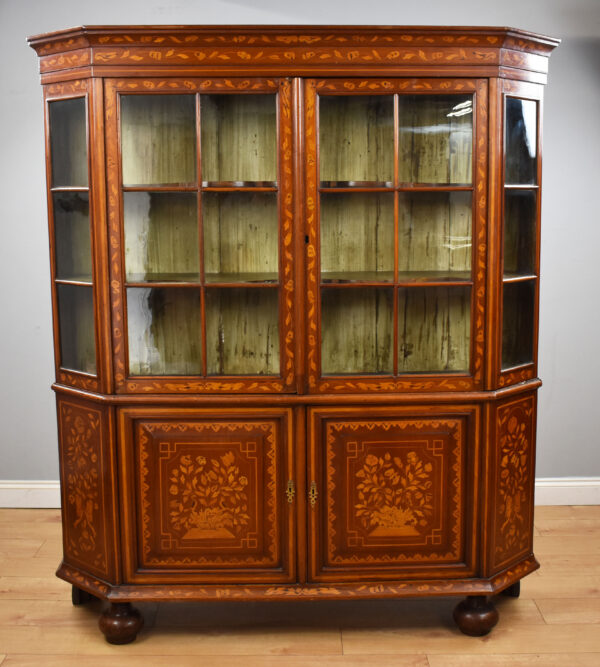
(290, 491)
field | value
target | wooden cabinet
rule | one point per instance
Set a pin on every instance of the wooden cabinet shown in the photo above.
(295, 291)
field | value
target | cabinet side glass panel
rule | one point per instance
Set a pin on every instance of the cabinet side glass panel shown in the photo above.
(520, 141)
(72, 236)
(76, 328)
(357, 330)
(158, 139)
(68, 143)
(242, 331)
(435, 142)
(517, 323)
(356, 139)
(520, 214)
(164, 328)
(434, 329)
(239, 138)
(161, 236)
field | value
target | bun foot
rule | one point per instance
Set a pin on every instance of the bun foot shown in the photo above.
(121, 623)
(513, 591)
(475, 616)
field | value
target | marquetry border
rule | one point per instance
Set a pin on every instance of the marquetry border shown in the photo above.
(171, 384)
(404, 383)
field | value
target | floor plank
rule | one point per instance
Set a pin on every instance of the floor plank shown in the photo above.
(577, 610)
(516, 660)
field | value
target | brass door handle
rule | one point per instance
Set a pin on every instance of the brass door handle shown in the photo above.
(313, 494)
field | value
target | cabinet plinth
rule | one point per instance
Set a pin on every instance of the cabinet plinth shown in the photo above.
(295, 296)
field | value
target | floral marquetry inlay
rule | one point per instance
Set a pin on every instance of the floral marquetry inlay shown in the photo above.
(514, 481)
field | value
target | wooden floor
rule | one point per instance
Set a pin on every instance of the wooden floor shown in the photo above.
(556, 621)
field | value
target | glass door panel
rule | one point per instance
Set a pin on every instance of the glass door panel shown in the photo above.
(68, 143)
(356, 139)
(161, 236)
(517, 323)
(239, 139)
(158, 139)
(76, 328)
(434, 329)
(165, 331)
(434, 236)
(240, 237)
(520, 214)
(73, 246)
(357, 330)
(521, 141)
(436, 139)
(357, 237)
(242, 331)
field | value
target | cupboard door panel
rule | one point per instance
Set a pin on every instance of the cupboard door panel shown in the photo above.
(206, 495)
(394, 493)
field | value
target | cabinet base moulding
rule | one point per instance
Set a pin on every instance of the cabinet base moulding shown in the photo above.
(548, 491)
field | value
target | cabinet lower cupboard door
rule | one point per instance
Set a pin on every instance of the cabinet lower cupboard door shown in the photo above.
(205, 496)
(391, 493)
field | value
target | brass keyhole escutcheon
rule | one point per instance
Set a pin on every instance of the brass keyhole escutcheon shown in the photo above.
(290, 491)
(312, 494)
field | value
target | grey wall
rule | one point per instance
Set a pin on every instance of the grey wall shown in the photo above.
(570, 308)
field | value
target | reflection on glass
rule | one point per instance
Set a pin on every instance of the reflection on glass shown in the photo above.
(239, 138)
(76, 327)
(356, 139)
(434, 325)
(72, 236)
(242, 331)
(161, 236)
(68, 145)
(158, 139)
(517, 323)
(436, 139)
(357, 330)
(240, 236)
(164, 327)
(521, 141)
(434, 235)
(519, 232)
(357, 237)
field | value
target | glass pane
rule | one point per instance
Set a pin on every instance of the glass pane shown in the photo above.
(436, 139)
(434, 235)
(357, 237)
(521, 141)
(76, 325)
(434, 325)
(161, 236)
(519, 232)
(242, 331)
(357, 330)
(239, 138)
(240, 236)
(68, 144)
(356, 139)
(164, 326)
(72, 236)
(517, 323)
(158, 139)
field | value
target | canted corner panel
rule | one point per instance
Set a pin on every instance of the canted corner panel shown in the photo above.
(208, 496)
(85, 477)
(513, 482)
(395, 495)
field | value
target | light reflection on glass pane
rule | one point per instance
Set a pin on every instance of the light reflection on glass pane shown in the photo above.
(521, 141)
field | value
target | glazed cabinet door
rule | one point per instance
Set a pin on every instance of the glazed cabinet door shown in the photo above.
(200, 215)
(392, 493)
(207, 495)
(396, 217)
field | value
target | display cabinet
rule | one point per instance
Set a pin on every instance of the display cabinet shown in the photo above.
(295, 292)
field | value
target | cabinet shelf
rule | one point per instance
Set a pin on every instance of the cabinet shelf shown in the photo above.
(404, 277)
(234, 186)
(267, 278)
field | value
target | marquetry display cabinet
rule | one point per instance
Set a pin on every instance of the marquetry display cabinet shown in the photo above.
(295, 287)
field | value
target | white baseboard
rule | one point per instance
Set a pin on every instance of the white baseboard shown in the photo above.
(548, 491)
